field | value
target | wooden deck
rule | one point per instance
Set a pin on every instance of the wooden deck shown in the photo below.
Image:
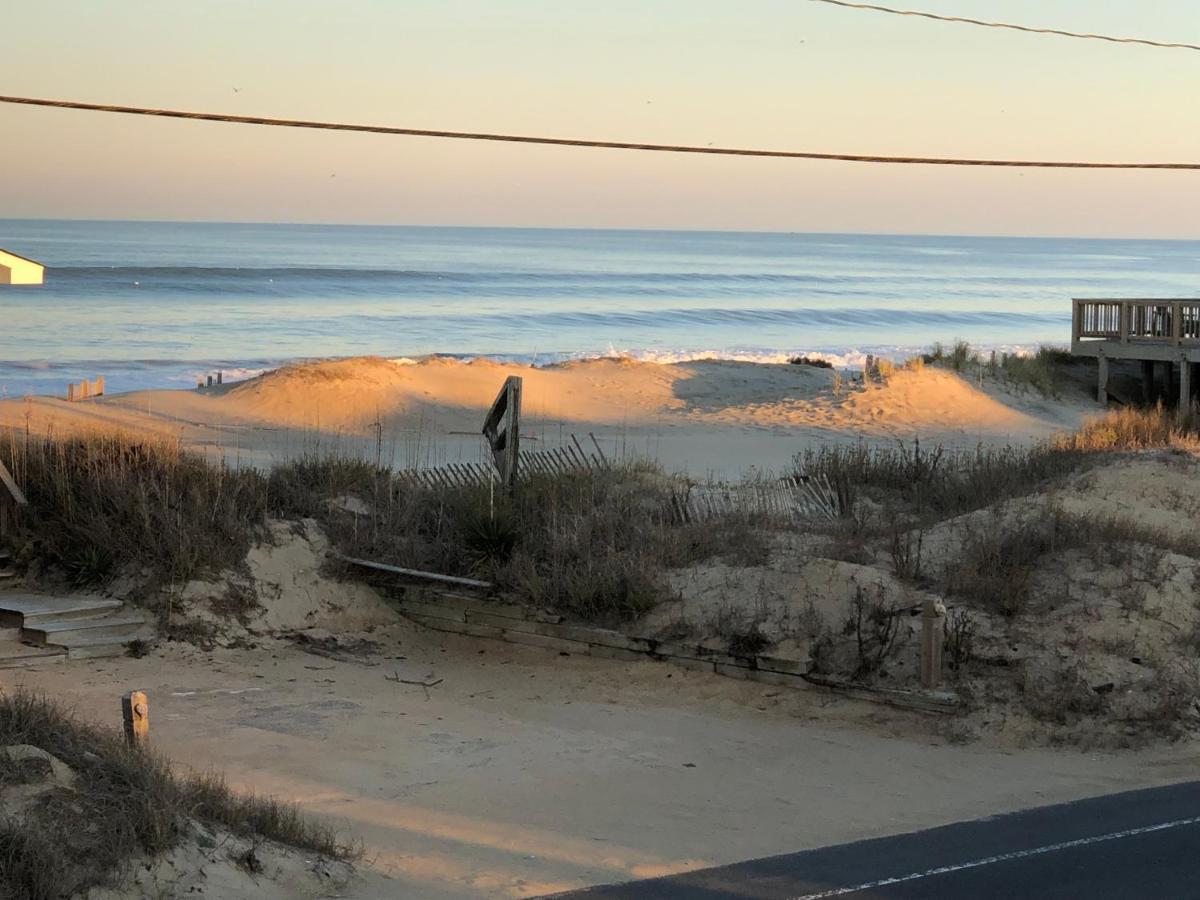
(1163, 334)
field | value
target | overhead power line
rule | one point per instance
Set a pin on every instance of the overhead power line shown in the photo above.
(1012, 27)
(578, 142)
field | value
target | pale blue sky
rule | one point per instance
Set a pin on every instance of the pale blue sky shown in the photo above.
(786, 74)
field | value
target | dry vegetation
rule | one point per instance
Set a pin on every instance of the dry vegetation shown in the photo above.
(982, 530)
(592, 543)
(1081, 622)
(121, 807)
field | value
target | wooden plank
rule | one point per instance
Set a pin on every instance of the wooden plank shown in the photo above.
(10, 483)
(417, 573)
(583, 458)
(596, 444)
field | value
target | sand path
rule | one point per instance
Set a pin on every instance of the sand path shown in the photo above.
(525, 772)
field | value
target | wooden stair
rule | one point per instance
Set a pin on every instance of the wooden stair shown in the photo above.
(75, 627)
(7, 572)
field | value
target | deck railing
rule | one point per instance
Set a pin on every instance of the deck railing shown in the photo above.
(1158, 321)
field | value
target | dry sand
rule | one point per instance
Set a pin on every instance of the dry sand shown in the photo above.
(525, 772)
(727, 418)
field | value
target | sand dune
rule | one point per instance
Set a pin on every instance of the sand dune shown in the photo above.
(707, 416)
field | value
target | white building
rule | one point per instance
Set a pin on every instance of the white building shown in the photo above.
(19, 270)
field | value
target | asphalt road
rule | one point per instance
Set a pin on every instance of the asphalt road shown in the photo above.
(1139, 844)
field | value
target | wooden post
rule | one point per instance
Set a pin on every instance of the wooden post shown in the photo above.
(71, 392)
(1102, 386)
(210, 381)
(220, 376)
(1185, 384)
(135, 710)
(933, 632)
(98, 387)
(85, 389)
(1148, 381)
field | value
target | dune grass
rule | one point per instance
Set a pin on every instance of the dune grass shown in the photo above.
(107, 501)
(943, 482)
(124, 804)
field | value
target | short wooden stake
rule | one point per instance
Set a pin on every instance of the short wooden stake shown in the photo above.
(220, 377)
(135, 710)
(210, 381)
(71, 392)
(933, 631)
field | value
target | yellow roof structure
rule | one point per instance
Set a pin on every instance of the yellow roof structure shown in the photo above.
(16, 269)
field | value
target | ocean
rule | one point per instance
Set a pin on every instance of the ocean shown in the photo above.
(160, 304)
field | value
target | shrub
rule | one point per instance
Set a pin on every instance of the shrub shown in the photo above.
(997, 562)
(874, 623)
(1063, 695)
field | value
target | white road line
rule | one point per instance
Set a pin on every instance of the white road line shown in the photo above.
(1003, 857)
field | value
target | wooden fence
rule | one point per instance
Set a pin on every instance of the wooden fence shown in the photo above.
(555, 461)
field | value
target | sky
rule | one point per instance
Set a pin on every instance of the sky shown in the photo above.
(778, 74)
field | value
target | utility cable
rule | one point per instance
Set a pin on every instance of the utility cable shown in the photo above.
(1012, 27)
(577, 142)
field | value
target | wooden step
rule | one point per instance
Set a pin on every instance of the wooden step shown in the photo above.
(67, 633)
(100, 646)
(14, 654)
(18, 609)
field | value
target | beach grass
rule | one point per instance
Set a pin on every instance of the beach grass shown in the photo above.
(123, 805)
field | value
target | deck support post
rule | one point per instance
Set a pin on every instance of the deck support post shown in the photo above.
(1147, 381)
(1102, 385)
(1185, 384)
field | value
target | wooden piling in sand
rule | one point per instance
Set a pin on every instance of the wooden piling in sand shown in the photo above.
(135, 713)
(933, 633)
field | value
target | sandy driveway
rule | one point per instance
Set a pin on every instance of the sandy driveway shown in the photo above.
(526, 772)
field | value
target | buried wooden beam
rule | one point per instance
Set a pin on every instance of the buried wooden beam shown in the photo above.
(417, 573)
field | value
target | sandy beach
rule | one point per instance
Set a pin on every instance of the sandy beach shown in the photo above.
(722, 418)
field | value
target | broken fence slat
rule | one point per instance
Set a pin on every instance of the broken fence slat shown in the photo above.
(596, 443)
(417, 573)
(583, 456)
(13, 489)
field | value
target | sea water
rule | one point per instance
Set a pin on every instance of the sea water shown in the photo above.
(161, 304)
